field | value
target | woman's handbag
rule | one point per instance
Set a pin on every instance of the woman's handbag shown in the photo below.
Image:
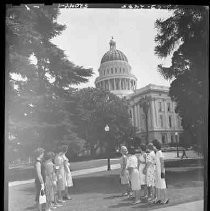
(42, 197)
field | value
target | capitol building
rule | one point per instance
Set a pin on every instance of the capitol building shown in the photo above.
(163, 123)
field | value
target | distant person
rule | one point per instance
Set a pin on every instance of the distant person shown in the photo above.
(142, 169)
(132, 166)
(160, 183)
(124, 173)
(150, 172)
(184, 154)
(68, 176)
(39, 175)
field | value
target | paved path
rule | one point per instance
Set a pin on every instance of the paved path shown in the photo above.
(95, 170)
(191, 206)
(74, 173)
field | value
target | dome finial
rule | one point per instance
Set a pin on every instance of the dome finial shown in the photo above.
(112, 44)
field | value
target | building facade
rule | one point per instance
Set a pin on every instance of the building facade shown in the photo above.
(163, 122)
(115, 73)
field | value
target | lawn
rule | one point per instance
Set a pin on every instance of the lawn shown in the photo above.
(101, 191)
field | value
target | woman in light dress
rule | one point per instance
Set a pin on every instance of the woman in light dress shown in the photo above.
(124, 173)
(160, 184)
(68, 176)
(150, 172)
(49, 182)
(142, 169)
(60, 172)
(39, 175)
(132, 166)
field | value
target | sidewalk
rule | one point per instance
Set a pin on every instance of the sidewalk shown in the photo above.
(191, 206)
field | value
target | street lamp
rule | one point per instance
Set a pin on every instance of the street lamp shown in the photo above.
(177, 149)
(108, 161)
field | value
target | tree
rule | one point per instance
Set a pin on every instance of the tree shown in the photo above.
(36, 102)
(96, 108)
(185, 36)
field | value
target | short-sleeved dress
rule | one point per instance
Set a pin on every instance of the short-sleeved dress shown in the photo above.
(49, 172)
(132, 163)
(60, 172)
(125, 177)
(142, 160)
(68, 176)
(37, 182)
(159, 182)
(150, 175)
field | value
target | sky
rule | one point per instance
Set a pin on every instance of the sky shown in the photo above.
(88, 32)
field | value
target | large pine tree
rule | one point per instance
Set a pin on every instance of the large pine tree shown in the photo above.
(37, 98)
(185, 36)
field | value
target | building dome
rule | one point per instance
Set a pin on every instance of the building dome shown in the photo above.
(115, 73)
(113, 55)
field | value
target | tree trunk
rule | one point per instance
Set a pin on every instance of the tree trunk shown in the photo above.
(92, 151)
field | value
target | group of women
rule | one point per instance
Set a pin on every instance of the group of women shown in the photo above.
(144, 174)
(52, 177)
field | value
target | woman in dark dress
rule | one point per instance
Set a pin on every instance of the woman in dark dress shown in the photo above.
(39, 174)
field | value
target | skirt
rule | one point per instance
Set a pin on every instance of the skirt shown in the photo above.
(69, 182)
(159, 182)
(61, 180)
(125, 178)
(38, 189)
(142, 176)
(150, 177)
(135, 180)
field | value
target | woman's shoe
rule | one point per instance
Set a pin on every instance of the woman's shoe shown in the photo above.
(58, 205)
(61, 201)
(164, 202)
(136, 202)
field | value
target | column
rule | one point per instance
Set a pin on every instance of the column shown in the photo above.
(138, 116)
(114, 84)
(109, 84)
(153, 114)
(120, 84)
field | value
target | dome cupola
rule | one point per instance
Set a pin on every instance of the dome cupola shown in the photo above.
(115, 72)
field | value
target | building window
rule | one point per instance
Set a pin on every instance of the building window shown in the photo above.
(169, 107)
(170, 122)
(161, 120)
(163, 139)
(172, 139)
(130, 114)
(160, 106)
(107, 71)
(111, 70)
(120, 69)
(115, 70)
(123, 70)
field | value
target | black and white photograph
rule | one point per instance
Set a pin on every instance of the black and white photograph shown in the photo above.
(106, 107)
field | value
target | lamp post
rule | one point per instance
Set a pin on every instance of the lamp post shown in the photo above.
(108, 160)
(177, 148)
